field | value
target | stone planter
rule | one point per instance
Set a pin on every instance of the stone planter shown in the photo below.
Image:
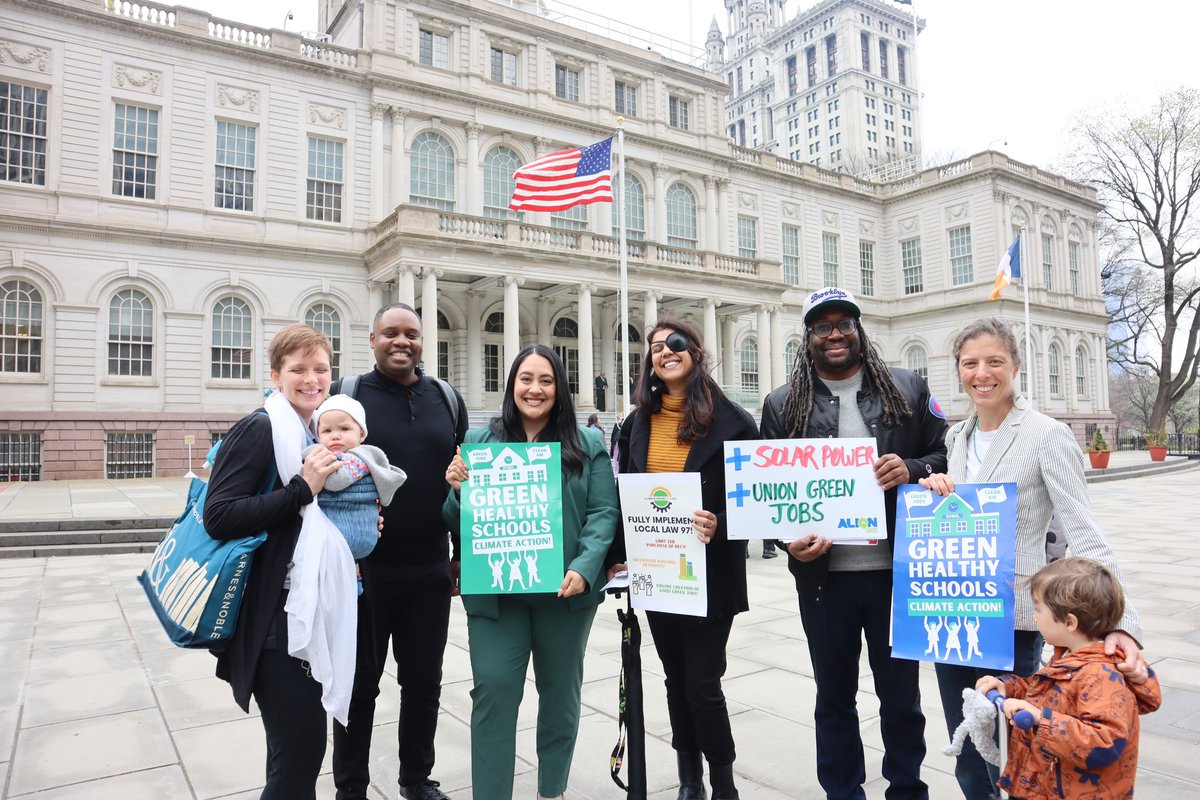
(1099, 458)
(1158, 453)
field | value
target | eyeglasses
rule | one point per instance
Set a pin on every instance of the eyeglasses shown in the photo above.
(847, 327)
(676, 343)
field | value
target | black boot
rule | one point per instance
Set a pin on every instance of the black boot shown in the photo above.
(691, 775)
(721, 777)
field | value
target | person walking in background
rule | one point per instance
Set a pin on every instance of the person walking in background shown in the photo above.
(601, 383)
(841, 387)
(681, 423)
(408, 578)
(255, 661)
(593, 424)
(1005, 440)
(505, 630)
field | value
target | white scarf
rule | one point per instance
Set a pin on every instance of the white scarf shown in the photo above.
(322, 605)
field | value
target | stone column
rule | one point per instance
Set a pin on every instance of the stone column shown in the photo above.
(586, 365)
(608, 348)
(378, 292)
(723, 216)
(406, 289)
(399, 186)
(708, 234)
(544, 307)
(541, 147)
(710, 332)
(778, 375)
(728, 356)
(429, 326)
(474, 349)
(659, 234)
(474, 176)
(512, 321)
(377, 159)
(652, 299)
(764, 351)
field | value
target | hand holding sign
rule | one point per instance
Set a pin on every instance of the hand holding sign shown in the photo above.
(891, 471)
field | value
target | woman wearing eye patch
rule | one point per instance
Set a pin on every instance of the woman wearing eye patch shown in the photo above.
(681, 423)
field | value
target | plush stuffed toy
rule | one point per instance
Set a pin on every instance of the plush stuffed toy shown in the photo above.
(979, 722)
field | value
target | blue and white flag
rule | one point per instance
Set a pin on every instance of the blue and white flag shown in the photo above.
(1010, 267)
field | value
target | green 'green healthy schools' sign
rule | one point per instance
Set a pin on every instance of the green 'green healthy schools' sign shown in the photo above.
(512, 518)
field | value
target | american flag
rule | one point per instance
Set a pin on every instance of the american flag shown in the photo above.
(565, 179)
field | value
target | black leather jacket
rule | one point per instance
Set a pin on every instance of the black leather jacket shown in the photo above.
(920, 440)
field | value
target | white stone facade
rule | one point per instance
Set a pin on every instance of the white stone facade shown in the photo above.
(260, 179)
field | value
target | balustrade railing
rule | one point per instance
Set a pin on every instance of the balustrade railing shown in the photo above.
(473, 227)
(328, 53)
(152, 13)
(238, 34)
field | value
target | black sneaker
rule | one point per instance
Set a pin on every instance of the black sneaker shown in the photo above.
(770, 553)
(425, 790)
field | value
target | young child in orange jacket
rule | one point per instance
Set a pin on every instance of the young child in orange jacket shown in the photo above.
(1085, 740)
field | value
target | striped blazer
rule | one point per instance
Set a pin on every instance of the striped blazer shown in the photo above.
(1041, 456)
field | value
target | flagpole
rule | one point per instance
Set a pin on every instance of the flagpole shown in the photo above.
(1029, 369)
(623, 258)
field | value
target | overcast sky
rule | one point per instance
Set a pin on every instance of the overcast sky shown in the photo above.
(991, 72)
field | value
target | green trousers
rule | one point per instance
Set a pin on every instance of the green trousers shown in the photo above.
(541, 625)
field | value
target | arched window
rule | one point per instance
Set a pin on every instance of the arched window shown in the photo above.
(232, 339)
(1080, 372)
(681, 216)
(635, 210)
(568, 329)
(574, 218)
(20, 327)
(750, 366)
(493, 327)
(432, 176)
(498, 167)
(130, 334)
(918, 361)
(326, 319)
(495, 323)
(1054, 368)
(791, 354)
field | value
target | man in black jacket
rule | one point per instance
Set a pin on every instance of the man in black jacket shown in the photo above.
(841, 388)
(601, 384)
(407, 579)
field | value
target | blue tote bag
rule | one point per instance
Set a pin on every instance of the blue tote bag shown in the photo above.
(195, 583)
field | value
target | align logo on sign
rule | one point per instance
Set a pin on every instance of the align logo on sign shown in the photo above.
(867, 524)
(660, 499)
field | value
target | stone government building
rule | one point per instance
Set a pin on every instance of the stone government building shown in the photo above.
(176, 188)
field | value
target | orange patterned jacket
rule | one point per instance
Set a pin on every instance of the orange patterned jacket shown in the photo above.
(1085, 744)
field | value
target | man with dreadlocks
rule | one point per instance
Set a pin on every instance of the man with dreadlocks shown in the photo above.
(841, 388)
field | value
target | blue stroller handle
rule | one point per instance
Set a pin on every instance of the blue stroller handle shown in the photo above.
(1022, 719)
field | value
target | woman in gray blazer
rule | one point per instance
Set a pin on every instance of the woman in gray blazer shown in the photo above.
(1004, 439)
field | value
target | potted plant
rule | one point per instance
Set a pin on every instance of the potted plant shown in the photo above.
(1098, 452)
(1156, 443)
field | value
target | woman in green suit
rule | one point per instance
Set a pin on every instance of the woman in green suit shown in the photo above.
(504, 630)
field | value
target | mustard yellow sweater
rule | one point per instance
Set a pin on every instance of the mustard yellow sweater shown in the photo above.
(665, 453)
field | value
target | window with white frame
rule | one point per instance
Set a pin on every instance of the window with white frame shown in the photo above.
(626, 98)
(678, 113)
(829, 259)
(21, 310)
(635, 356)
(234, 166)
(499, 164)
(20, 456)
(566, 83)
(790, 250)
(128, 454)
(747, 228)
(1080, 372)
(574, 218)
(866, 268)
(504, 66)
(962, 270)
(749, 364)
(566, 345)
(635, 210)
(681, 216)
(791, 354)
(1073, 266)
(1048, 260)
(135, 151)
(328, 321)
(130, 334)
(917, 360)
(910, 266)
(431, 172)
(22, 133)
(326, 175)
(1054, 369)
(232, 339)
(434, 49)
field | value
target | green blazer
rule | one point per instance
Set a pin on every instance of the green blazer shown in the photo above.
(590, 519)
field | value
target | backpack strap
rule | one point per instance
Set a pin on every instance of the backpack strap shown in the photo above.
(451, 401)
(348, 386)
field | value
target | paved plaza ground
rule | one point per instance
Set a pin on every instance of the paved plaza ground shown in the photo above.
(96, 704)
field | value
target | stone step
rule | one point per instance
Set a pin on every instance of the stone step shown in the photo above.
(86, 549)
(28, 538)
(87, 524)
(1139, 470)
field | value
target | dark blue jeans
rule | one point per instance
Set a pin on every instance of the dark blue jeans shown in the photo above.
(976, 777)
(855, 604)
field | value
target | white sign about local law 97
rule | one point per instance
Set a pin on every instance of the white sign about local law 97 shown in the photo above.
(789, 488)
